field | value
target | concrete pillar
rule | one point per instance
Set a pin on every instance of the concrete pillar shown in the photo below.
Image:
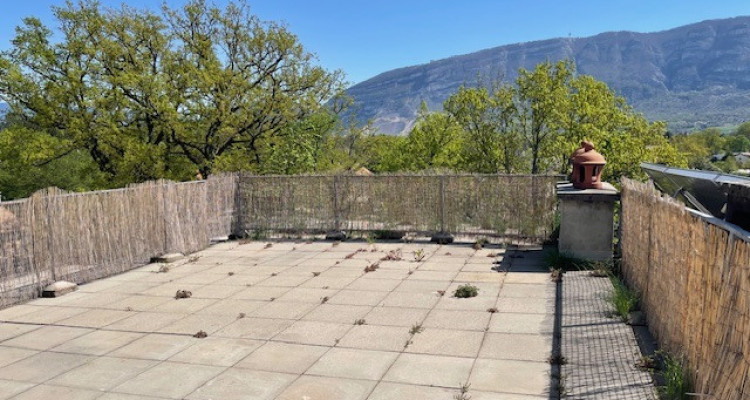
(587, 221)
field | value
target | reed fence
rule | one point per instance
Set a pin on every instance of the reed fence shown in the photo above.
(493, 205)
(694, 277)
(79, 237)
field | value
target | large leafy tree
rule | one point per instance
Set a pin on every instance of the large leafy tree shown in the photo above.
(163, 95)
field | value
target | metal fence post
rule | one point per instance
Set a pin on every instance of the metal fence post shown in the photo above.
(442, 203)
(336, 208)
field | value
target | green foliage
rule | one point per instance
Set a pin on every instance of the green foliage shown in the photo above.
(466, 291)
(30, 160)
(676, 378)
(169, 95)
(623, 299)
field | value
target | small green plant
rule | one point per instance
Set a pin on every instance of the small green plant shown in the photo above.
(646, 363)
(676, 380)
(557, 359)
(393, 255)
(200, 334)
(416, 328)
(623, 299)
(324, 300)
(492, 310)
(479, 243)
(419, 255)
(370, 239)
(463, 393)
(466, 291)
(183, 294)
(556, 274)
(372, 267)
(360, 321)
(316, 274)
(557, 260)
(268, 245)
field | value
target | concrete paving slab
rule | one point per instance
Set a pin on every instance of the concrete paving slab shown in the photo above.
(254, 328)
(476, 277)
(526, 290)
(138, 303)
(49, 315)
(511, 346)
(380, 285)
(284, 309)
(506, 322)
(154, 347)
(9, 389)
(528, 277)
(58, 393)
(395, 316)
(353, 364)
(216, 291)
(422, 369)
(46, 337)
(9, 355)
(191, 324)
(97, 343)
(283, 357)
(11, 330)
(526, 305)
(42, 366)
(184, 306)
(410, 300)
(446, 342)
(458, 320)
(146, 322)
(233, 307)
(103, 373)
(168, 379)
(358, 297)
(218, 352)
(321, 388)
(330, 282)
(237, 384)
(391, 391)
(374, 337)
(509, 376)
(343, 314)
(313, 332)
(263, 293)
(426, 275)
(307, 295)
(96, 318)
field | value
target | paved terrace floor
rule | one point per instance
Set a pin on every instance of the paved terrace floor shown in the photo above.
(292, 321)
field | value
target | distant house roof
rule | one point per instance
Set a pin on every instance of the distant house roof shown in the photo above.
(362, 171)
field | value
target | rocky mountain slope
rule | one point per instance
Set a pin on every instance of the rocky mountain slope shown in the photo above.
(693, 76)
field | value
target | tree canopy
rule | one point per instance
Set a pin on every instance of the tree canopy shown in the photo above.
(150, 95)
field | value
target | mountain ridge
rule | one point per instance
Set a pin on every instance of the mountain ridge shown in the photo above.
(692, 76)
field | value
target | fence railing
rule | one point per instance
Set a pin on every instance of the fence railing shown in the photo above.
(493, 205)
(80, 237)
(694, 279)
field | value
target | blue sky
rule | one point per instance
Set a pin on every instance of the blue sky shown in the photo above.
(367, 37)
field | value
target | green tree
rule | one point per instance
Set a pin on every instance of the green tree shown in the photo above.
(163, 95)
(434, 143)
(542, 103)
(492, 141)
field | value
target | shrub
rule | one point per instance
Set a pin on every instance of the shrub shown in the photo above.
(466, 291)
(676, 379)
(623, 299)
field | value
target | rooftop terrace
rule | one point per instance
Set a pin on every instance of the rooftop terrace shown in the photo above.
(293, 320)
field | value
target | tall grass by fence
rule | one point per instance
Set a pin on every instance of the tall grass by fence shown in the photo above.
(493, 205)
(80, 237)
(694, 277)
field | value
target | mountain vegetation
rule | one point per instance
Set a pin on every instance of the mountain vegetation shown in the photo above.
(692, 77)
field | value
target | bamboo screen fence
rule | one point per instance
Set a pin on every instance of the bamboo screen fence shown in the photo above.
(493, 205)
(694, 279)
(80, 237)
